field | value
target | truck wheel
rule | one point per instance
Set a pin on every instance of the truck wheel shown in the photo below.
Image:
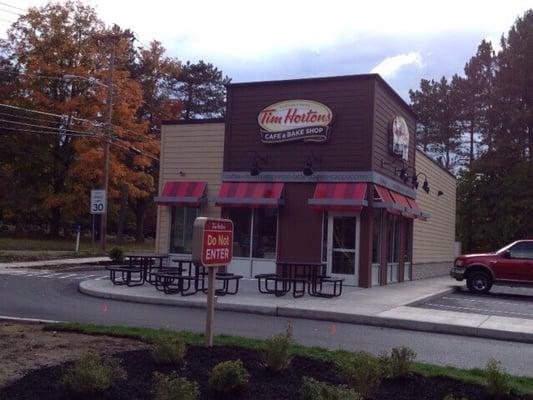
(479, 282)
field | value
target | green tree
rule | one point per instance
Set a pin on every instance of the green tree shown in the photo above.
(476, 96)
(514, 82)
(437, 105)
(201, 88)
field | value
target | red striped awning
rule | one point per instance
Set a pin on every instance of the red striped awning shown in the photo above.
(339, 196)
(384, 200)
(182, 193)
(250, 194)
(402, 201)
(397, 203)
(419, 213)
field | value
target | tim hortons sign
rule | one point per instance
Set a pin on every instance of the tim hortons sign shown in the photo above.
(291, 120)
(399, 137)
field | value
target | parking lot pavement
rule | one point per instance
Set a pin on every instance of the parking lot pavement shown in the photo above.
(502, 301)
(97, 274)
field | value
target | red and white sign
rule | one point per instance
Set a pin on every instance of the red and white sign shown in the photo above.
(400, 137)
(292, 120)
(212, 242)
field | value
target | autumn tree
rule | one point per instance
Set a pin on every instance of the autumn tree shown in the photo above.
(49, 42)
(155, 72)
(201, 88)
(63, 55)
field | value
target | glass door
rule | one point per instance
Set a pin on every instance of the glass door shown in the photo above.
(343, 247)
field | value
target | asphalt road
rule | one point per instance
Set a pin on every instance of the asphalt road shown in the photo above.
(55, 297)
(501, 301)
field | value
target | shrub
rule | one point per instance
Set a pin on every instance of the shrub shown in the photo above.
(172, 387)
(398, 363)
(277, 351)
(169, 350)
(93, 373)
(362, 371)
(117, 254)
(452, 397)
(229, 377)
(498, 384)
(316, 390)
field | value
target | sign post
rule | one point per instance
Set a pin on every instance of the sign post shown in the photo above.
(212, 247)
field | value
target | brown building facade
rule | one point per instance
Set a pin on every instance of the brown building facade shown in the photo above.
(309, 170)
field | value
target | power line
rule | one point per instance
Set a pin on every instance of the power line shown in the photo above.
(7, 20)
(31, 131)
(11, 12)
(61, 78)
(135, 150)
(49, 114)
(11, 6)
(46, 127)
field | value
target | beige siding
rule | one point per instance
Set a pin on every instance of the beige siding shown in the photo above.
(197, 150)
(434, 239)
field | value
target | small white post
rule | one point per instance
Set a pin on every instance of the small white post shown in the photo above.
(78, 239)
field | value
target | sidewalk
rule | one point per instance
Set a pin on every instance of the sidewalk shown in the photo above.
(386, 306)
(47, 263)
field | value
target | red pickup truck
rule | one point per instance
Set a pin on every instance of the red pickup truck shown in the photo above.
(511, 265)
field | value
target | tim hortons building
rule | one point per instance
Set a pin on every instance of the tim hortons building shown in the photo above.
(311, 170)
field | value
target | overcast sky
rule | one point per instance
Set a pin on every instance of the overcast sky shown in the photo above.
(250, 40)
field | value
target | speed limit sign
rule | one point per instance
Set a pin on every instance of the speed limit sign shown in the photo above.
(98, 201)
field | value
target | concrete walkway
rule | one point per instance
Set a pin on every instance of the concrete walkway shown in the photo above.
(387, 306)
(48, 263)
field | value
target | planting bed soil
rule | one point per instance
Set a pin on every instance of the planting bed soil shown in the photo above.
(26, 346)
(44, 383)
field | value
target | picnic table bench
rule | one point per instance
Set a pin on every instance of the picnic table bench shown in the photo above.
(192, 282)
(299, 277)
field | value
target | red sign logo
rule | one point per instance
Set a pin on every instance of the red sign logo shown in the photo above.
(212, 241)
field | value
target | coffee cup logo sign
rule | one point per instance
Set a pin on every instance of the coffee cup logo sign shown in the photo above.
(400, 137)
(292, 120)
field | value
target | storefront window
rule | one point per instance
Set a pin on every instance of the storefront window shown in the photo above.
(376, 237)
(265, 224)
(393, 236)
(242, 222)
(181, 229)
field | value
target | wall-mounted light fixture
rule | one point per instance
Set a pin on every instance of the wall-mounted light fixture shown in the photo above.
(414, 181)
(181, 172)
(256, 169)
(440, 193)
(309, 168)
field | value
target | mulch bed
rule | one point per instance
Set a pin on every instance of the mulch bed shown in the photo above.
(44, 384)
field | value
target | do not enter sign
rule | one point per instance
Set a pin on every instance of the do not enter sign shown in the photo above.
(212, 242)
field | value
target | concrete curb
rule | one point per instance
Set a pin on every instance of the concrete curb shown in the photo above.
(363, 319)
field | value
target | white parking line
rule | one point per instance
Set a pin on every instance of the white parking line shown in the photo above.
(480, 301)
(490, 312)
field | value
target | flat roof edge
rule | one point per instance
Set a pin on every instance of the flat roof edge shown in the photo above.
(193, 121)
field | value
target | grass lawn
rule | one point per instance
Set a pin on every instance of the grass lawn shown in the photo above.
(521, 384)
(86, 247)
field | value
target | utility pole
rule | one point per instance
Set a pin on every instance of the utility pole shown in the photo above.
(107, 138)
